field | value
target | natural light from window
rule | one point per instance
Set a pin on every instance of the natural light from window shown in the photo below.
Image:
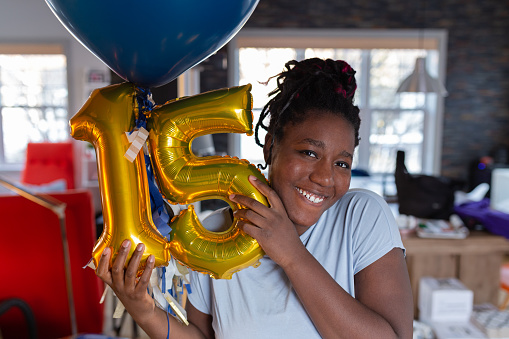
(392, 121)
(33, 102)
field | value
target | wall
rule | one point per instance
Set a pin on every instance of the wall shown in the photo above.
(477, 109)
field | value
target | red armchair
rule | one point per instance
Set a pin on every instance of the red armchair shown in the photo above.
(32, 266)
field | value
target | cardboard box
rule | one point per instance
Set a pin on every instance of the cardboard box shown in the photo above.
(444, 300)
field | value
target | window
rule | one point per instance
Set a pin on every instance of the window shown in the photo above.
(33, 98)
(390, 121)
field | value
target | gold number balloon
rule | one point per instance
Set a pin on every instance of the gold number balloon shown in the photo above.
(184, 178)
(103, 121)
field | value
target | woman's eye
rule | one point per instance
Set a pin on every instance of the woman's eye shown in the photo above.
(343, 164)
(309, 153)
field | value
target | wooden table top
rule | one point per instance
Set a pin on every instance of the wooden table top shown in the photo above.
(477, 242)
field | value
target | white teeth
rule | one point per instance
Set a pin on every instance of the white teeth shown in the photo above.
(311, 197)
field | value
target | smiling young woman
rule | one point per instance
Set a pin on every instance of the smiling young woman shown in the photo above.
(334, 264)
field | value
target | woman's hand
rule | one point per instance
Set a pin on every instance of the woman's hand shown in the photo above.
(270, 226)
(131, 291)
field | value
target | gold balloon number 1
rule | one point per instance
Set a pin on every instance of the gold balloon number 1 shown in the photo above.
(182, 177)
(103, 121)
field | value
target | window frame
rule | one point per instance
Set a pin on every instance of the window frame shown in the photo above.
(435, 39)
(36, 48)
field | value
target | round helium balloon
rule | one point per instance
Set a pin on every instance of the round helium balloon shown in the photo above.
(150, 43)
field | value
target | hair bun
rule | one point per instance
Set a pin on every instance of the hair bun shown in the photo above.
(338, 72)
(346, 84)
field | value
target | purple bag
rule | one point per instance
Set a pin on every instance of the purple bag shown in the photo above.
(494, 221)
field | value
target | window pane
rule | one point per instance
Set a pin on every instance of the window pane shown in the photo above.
(388, 69)
(256, 66)
(392, 131)
(33, 102)
(352, 56)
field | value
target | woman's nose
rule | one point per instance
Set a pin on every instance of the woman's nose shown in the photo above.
(322, 174)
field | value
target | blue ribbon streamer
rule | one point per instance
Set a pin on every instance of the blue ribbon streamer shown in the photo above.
(163, 278)
(159, 214)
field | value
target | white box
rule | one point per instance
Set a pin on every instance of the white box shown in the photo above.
(499, 196)
(444, 300)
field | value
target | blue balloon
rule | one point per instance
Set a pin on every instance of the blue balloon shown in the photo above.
(151, 42)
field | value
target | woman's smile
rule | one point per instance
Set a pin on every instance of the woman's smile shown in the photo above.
(311, 197)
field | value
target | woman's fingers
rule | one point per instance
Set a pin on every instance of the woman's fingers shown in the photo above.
(117, 269)
(269, 193)
(248, 214)
(145, 276)
(103, 268)
(132, 267)
(123, 280)
(248, 202)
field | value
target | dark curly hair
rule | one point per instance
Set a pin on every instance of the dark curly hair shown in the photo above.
(311, 84)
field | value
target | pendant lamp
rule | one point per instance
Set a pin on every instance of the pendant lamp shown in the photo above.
(421, 82)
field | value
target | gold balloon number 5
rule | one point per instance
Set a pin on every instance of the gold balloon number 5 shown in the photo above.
(184, 178)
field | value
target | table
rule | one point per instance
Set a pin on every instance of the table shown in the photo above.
(475, 261)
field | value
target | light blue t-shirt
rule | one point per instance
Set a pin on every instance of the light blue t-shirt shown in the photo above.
(261, 303)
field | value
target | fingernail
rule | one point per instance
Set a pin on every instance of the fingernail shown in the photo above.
(126, 243)
(151, 258)
(232, 196)
(252, 177)
(106, 251)
(140, 247)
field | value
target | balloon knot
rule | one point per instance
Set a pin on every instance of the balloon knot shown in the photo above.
(145, 106)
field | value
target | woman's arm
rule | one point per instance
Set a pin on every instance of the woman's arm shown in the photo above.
(382, 307)
(140, 305)
(383, 304)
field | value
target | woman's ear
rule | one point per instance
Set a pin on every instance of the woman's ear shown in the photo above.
(267, 148)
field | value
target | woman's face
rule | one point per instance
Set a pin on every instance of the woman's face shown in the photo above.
(310, 167)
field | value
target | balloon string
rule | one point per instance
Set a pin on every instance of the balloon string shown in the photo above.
(168, 321)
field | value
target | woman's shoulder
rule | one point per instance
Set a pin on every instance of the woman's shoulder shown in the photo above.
(363, 195)
(362, 203)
